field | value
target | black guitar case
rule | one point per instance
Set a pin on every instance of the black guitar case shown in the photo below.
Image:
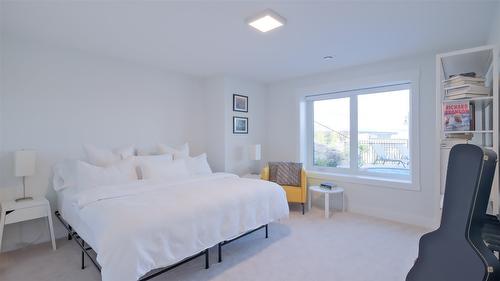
(456, 250)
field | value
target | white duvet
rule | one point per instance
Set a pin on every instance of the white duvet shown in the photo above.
(143, 225)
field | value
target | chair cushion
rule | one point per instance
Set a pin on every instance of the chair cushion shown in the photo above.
(294, 194)
(285, 173)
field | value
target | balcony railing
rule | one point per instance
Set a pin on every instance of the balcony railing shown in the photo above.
(388, 152)
(373, 153)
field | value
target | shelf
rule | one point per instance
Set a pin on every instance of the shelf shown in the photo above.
(478, 99)
(470, 132)
(476, 60)
(484, 61)
(488, 98)
(448, 144)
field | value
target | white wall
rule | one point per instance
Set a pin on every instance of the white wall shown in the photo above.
(1, 83)
(215, 123)
(227, 151)
(494, 37)
(416, 207)
(237, 145)
(55, 100)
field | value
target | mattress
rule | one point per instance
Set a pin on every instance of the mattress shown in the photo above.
(69, 210)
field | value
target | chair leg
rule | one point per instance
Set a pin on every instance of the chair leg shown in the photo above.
(303, 209)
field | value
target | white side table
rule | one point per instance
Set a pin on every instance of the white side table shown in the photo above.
(326, 192)
(12, 212)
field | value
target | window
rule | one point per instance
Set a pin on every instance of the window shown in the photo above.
(363, 132)
(331, 133)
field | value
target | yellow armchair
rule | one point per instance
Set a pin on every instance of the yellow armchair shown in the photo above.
(294, 194)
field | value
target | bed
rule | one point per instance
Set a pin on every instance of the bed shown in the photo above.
(143, 225)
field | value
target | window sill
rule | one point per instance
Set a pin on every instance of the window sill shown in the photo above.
(364, 179)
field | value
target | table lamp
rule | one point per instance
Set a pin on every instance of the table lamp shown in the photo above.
(255, 152)
(24, 166)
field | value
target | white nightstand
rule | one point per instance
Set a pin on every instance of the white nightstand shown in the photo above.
(12, 212)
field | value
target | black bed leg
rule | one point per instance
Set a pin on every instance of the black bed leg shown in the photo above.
(69, 232)
(219, 247)
(207, 262)
(303, 209)
(83, 256)
(267, 233)
(83, 260)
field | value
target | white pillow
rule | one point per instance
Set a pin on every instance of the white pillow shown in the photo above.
(89, 176)
(151, 160)
(165, 171)
(198, 165)
(125, 152)
(180, 153)
(146, 152)
(64, 174)
(105, 157)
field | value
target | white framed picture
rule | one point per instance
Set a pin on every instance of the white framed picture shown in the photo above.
(240, 103)
(240, 125)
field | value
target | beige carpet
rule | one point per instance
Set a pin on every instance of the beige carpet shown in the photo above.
(347, 247)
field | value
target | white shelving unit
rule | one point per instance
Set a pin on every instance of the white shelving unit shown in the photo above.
(484, 62)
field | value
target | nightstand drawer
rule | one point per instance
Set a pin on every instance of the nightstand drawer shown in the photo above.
(26, 214)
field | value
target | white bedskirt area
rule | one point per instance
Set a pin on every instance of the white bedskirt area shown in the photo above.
(144, 225)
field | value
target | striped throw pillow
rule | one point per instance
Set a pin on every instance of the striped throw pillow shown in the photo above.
(285, 173)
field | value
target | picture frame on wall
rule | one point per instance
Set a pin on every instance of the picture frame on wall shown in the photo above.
(240, 125)
(240, 103)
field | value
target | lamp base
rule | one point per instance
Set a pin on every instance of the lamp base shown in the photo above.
(24, 199)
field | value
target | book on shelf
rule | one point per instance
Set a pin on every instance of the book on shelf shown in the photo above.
(468, 89)
(458, 136)
(449, 141)
(459, 83)
(461, 80)
(458, 116)
(465, 74)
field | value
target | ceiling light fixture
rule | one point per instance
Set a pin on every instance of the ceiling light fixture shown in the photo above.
(266, 21)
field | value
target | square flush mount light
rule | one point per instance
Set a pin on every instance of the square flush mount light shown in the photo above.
(266, 21)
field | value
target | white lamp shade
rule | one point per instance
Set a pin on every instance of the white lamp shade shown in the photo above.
(24, 163)
(255, 152)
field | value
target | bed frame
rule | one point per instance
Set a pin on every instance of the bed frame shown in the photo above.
(92, 255)
(219, 246)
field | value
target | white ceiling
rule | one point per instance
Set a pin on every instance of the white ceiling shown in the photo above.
(211, 38)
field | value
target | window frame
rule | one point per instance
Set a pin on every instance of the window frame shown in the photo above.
(353, 173)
